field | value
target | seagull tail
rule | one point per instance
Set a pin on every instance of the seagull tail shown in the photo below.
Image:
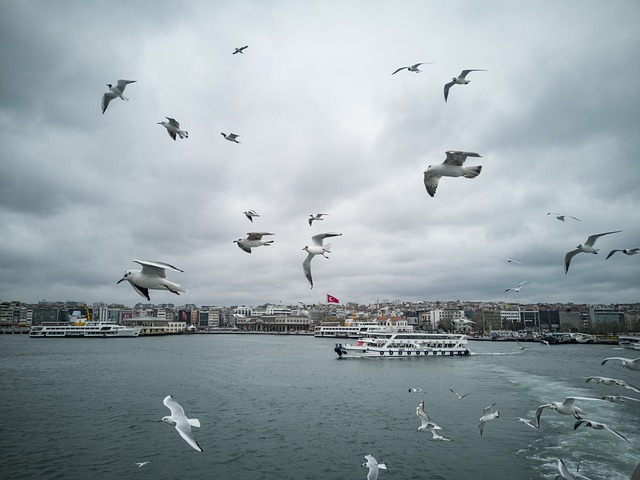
(194, 422)
(267, 243)
(126, 99)
(473, 172)
(327, 248)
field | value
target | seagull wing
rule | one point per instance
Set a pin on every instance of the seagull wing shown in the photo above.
(319, 238)
(243, 246)
(173, 121)
(257, 235)
(171, 133)
(568, 257)
(431, 182)
(611, 253)
(157, 265)
(575, 218)
(539, 413)
(464, 73)
(306, 268)
(456, 157)
(122, 84)
(175, 407)
(106, 98)
(143, 292)
(447, 86)
(592, 239)
(401, 68)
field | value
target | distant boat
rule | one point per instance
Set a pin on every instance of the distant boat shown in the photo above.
(631, 341)
(404, 345)
(84, 330)
(355, 329)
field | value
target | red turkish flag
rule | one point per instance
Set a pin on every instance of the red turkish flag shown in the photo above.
(332, 299)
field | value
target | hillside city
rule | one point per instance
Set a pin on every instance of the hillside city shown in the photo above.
(454, 316)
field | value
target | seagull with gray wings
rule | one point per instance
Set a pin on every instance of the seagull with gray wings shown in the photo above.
(562, 217)
(586, 248)
(115, 92)
(173, 128)
(459, 80)
(412, 68)
(254, 239)
(453, 166)
(151, 277)
(317, 248)
(626, 251)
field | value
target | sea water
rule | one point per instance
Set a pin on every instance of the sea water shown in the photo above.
(284, 407)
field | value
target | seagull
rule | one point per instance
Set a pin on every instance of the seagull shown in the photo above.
(567, 407)
(373, 466)
(437, 436)
(607, 381)
(520, 346)
(451, 167)
(420, 412)
(142, 464)
(517, 289)
(250, 214)
(230, 136)
(599, 426)
(416, 390)
(412, 68)
(151, 277)
(489, 414)
(460, 397)
(240, 50)
(626, 363)
(173, 128)
(254, 239)
(566, 474)
(562, 217)
(545, 342)
(511, 260)
(317, 216)
(316, 249)
(586, 248)
(115, 92)
(459, 80)
(619, 398)
(526, 421)
(626, 251)
(179, 420)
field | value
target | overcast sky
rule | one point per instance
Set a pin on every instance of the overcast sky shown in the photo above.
(325, 128)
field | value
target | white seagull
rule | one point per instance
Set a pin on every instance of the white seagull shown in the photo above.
(317, 216)
(115, 92)
(250, 214)
(511, 260)
(566, 407)
(254, 239)
(526, 421)
(179, 420)
(626, 362)
(416, 390)
(412, 68)
(460, 397)
(567, 475)
(230, 136)
(562, 217)
(517, 289)
(459, 80)
(619, 398)
(373, 466)
(316, 249)
(142, 464)
(626, 251)
(599, 426)
(437, 436)
(451, 167)
(520, 346)
(424, 416)
(489, 414)
(173, 128)
(151, 277)
(586, 248)
(240, 50)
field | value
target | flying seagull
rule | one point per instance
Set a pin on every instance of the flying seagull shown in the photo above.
(489, 414)
(316, 249)
(460, 397)
(412, 68)
(179, 420)
(230, 136)
(142, 464)
(599, 426)
(619, 398)
(173, 128)
(459, 80)
(528, 422)
(566, 407)
(586, 248)
(511, 260)
(373, 466)
(151, 277)
(517, 289)
(240, 50)
(254, 239)
(317, 216)
(115, 92)
(451, 167)
(626, 251)
(567, 475)
(420, 412)
(250, 214)
(626, 362)
(561, 217)
(416, 390)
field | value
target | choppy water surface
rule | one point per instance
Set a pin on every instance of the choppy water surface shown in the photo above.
(283, 407)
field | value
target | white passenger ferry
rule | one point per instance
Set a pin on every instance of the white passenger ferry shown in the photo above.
(629, 341)
(355, 329)
(86, 330)
(404, 345)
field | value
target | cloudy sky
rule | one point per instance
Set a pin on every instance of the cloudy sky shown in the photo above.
(325, 128)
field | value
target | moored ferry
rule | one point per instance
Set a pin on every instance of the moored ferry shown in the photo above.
(355, 329)
(629, 341)
(86, 330)
(404, 345)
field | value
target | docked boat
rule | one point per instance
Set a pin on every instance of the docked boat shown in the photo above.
(84, 330)
(629, 341)
(404, 345)
(355, 329)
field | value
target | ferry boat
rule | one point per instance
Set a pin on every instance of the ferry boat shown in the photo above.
(355, 329)
(629, 341)
(404, 345)
(84, 330)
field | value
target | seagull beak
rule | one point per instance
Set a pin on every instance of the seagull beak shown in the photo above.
(121, 280)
